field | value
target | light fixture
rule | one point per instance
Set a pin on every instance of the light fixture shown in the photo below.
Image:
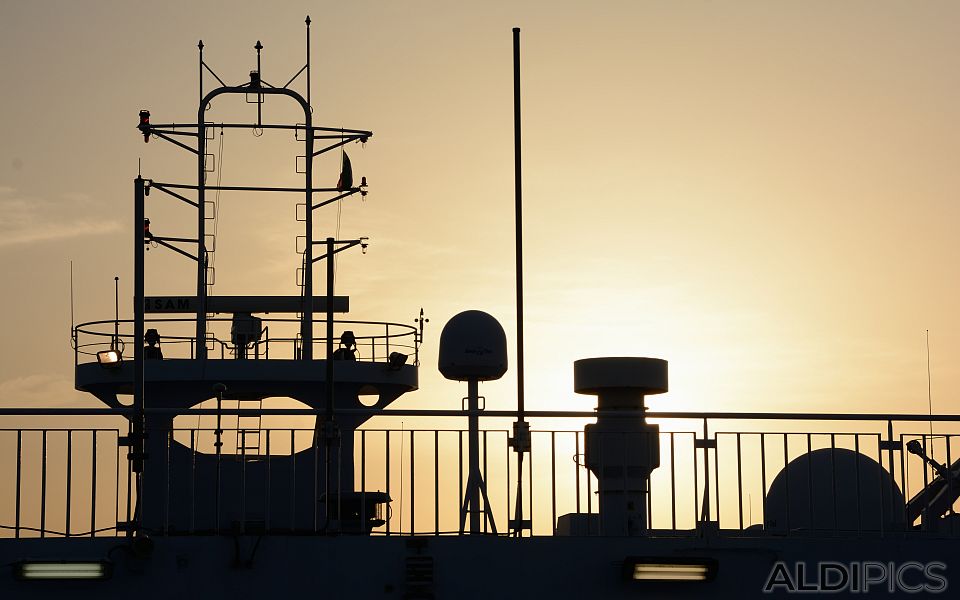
(669, 569)
(99, 569)
(109, 358)
(397, 360)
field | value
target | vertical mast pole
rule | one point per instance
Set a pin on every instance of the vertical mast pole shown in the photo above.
(518, 209)
(307, 21)
(521, 429)
(306, 327)
(201, 341)
(137, 425)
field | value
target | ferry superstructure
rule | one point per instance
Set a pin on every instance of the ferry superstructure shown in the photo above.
(860, 502)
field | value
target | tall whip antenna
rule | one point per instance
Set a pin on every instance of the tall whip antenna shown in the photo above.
(521, 429)
(929, 386)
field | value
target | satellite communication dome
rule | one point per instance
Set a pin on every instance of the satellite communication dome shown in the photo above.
(473, 347)
(834, 489)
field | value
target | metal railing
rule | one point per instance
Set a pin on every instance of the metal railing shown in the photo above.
(63, 482)
(716, 472)
(375, 340)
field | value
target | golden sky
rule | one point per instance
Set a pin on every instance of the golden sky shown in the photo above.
(764, 194)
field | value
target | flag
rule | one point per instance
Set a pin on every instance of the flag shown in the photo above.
(346, 175)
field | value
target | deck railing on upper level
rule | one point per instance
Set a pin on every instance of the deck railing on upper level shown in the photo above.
(717, 472)
(279, 339)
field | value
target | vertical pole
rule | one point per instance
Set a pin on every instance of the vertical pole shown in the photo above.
(201, 342)
(329, 335)
(473, 454)
(307, 21)
(705, 517)
(518, 196)
(116, 314)
(521, 430)
(259, 47)
(137, 427)
(201, 234)
(328, 431)
(306, 327)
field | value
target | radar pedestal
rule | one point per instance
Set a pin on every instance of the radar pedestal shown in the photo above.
(473, 348)
(621, 451)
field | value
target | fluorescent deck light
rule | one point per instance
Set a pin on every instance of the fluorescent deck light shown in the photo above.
(670, 569)
(62, 570)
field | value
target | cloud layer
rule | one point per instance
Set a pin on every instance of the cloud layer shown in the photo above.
(25, 220)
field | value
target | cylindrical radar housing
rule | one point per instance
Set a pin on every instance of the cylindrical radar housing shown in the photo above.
(473, 347)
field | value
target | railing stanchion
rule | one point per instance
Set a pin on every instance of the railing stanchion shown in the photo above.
(386, 435)
(193, 478)
(363, 480)
(705, 517)
(293, 480)
(16, 529)
(833, 480)
(69, 476)
(809, 481)
(43, 486)
(266, 511)
(673, 482)
(413, 489)
(576, 467)
(763, 476)
(553, 481)
(166, 497)
(856, 450)
(93, 483)
(696, 484)
(740, 482)
(893, 483)
(590, 497)
(786, 479)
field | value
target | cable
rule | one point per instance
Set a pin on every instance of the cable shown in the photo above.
(60, 533)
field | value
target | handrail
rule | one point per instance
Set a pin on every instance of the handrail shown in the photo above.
(731, 466)
(400, 412)
(398, 335)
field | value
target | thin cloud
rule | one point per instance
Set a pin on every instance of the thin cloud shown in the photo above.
(40, 390)
(25, 221)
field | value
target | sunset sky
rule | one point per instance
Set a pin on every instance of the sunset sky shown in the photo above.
(763, 193)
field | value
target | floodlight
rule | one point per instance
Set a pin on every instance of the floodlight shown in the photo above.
(670, 569)
(100, 569)
(109, 358)
(397, 360)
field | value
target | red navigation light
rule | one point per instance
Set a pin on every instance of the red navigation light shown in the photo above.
(144, 126)
(146, 231)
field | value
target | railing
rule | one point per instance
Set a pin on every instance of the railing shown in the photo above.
(375, 340)
(716, 472)
(63, 482)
